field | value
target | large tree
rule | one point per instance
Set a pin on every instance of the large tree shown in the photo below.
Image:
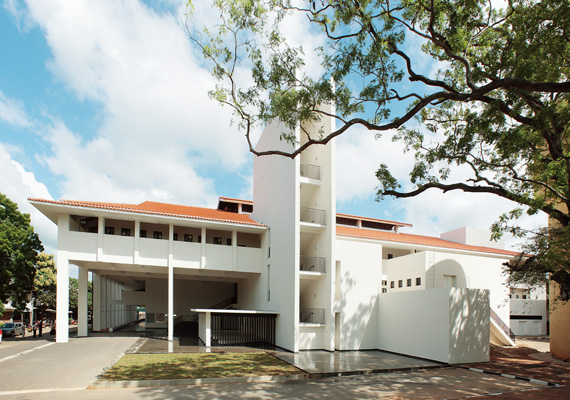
(498, 105)
(19, 249)
(45, 287)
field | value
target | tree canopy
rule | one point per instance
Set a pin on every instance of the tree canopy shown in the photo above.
(45, 286)
(498, 105)
(19, 249)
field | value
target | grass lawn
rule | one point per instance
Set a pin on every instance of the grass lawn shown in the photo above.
(196, 365)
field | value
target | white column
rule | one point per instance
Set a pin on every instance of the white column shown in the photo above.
(108, 303)
(203, 249)
(82, 302)
(62, 298)
(100, 233)
(208, 326)
(170, 283)
(62, 294)
(96, 317)
(234, 250)
(137, 241)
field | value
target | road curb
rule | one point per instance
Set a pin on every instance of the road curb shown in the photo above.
(98, 384)
(521, 378)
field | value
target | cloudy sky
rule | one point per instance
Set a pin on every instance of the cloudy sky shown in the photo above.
(107, 100)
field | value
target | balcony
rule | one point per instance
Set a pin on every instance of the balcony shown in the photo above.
(313, 216)
(312, 264)
(312, 316)
(310, 171)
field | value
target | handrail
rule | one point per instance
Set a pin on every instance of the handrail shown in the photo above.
(311, 171)
(506, 330)
(313, 264)
(312, 315)
(313, 215)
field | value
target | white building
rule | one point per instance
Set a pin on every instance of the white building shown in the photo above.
(323, 280)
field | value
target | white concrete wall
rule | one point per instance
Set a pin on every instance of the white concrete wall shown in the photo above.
(360, 284)
(527, 326)
(448, 325)
(474, 237)
(402, 268)
(276, 199)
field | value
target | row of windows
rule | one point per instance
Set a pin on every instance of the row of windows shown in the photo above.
(408, 283)
(110, 230)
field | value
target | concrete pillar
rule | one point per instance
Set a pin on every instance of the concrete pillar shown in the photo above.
(100, 233)
(170, 283)
(96, 317)
(82, 302)
(234, 250)
(108, 303)
(137, 242)
(203, 249)
(62, 294)
(208, 326)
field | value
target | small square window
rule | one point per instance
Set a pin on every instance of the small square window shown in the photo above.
(109, 230)
(175, 236)
(384, 283)
(217, 240)
(157, 235)
(187, 237)
(125, 232)
(390, 256)
(409, 282)
(142, 233)
(418, 281)
(384, 290)
(392, 284)
(229, 241)
(400, 283)
(524, 296)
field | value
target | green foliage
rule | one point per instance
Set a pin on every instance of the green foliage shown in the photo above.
(45, 284)
(19, 248)
(499, 105)
(74, 295)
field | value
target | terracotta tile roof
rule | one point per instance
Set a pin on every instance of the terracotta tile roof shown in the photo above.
(382, 221)
(415, 239)
(156, 208)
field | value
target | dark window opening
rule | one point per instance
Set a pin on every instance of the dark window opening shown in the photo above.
(142, 233)
(409, 282)
(187, 237)
(125, 231)
(109, 230)
(217, 240)
(175, 236)
(229, 241)
(390, 256)
(392, 284)
(157, 235)
(418, 281)
(400, 283)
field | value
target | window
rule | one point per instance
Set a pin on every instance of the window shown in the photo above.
(390, 256)
(199, 239)
(157, 235)
(142, 233)
(409, 282)
(517, 296)
(524, 296)
(109, 230)
(187, 237)
(384, 290)
(125, 231)
(384, 283)
(217, 240)
(418, 281)
(175, 236)
(400, 283)
(392, 284)
(229, 241)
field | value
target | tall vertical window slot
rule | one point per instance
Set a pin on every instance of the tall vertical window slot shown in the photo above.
(268, 282)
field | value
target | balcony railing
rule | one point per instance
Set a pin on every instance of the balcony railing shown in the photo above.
(313, 264)
(312, 315)
(313, 215)
(311, 171)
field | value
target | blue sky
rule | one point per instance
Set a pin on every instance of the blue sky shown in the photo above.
(107, 100)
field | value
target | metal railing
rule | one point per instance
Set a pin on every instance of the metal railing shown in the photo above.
(312, 315)
(311, 171)
(313, 264)
(501, 324)
(313, 215)
(243, 330)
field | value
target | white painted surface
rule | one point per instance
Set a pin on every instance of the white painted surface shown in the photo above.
(528, 327)
(447, 325)
(474, 237)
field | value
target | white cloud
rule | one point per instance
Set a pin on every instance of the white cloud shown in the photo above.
(13, 112)
(19, 184)
(159, 125)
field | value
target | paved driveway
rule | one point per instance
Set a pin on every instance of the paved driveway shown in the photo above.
(58, 365)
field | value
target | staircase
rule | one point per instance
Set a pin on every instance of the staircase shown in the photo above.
(500, 331)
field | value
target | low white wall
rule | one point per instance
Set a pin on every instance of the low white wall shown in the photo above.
(449, 325)
(311, 337)
(528, 308)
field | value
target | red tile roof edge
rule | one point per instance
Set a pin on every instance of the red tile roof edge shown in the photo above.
(242, 219)
(419, 240)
